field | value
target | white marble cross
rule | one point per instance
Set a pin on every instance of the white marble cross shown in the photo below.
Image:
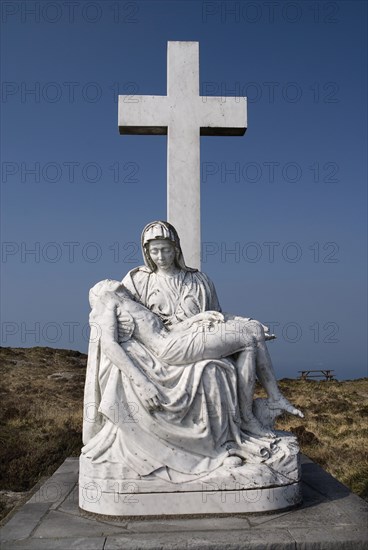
(183, 115)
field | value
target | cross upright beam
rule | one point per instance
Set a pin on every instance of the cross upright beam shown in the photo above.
(184, 116)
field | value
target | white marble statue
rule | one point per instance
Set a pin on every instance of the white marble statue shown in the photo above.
(170, 381)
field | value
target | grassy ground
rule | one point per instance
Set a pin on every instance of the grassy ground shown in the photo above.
(40, 423)
(334, 432)
(41, 416)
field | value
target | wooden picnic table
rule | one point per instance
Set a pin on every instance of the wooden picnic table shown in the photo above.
(327, 374)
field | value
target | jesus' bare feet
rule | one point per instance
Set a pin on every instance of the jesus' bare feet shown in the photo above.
(285, 405)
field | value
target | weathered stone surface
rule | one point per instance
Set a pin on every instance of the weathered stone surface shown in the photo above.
(80, 543)
(58, 524)
(228, 540)
(337, 522)
(345, 537)
(23, 523)
(238, 523)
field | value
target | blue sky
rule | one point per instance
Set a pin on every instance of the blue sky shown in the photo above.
(283, 208)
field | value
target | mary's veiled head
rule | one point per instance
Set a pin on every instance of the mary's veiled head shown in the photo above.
(161, 231)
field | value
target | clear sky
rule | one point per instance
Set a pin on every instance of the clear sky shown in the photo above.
(283, 208)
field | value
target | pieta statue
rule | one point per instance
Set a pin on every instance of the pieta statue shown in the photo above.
(170, 420)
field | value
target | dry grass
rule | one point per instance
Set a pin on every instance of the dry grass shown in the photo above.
(334, 432)
(40, 417)
(41, 420)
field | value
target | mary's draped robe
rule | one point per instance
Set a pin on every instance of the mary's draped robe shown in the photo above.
(199, 419)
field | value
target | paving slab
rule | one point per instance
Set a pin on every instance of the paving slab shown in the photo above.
(25, 521)
(81, 543)
(345, 537)
(190, 525)
(219, 540)
(331, 517)
(58, 525)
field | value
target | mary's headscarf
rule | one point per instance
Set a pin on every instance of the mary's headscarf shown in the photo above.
(163, 231)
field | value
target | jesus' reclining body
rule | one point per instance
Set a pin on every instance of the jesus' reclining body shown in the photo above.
(207, 335)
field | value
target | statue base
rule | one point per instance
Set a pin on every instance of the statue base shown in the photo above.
(206, 502)
(264, 486)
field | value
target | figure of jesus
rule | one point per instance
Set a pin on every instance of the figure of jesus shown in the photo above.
(204, 336)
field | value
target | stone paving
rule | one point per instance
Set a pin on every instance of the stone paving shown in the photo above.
(331, 517)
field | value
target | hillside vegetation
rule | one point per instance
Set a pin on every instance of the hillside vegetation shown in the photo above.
(41, 419)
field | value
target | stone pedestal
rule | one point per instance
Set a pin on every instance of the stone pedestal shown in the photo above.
(330, 517)
(271, 485)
